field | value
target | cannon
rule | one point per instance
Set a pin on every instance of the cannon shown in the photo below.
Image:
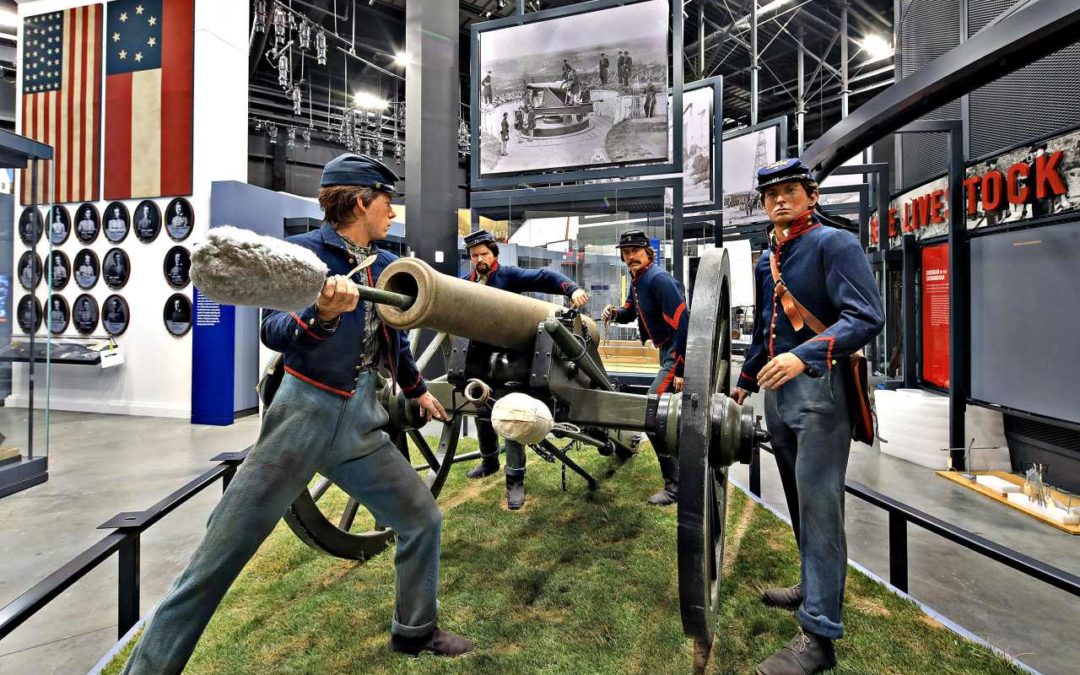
(498, 342)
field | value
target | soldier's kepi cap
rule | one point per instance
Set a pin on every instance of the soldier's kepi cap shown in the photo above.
(633, 238)
(477, 238)
(784, 171)
(350, 169)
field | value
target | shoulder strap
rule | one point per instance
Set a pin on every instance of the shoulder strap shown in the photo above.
(796, 313)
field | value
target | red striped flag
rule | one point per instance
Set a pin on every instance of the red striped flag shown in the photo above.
(149, 84)
(61, 102)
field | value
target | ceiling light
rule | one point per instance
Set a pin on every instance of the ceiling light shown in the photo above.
(401, 58)
(9, 18)
(365, 100)
(762, 10)
(876, 47)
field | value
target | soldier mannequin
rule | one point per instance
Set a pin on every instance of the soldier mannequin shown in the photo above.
(657, 302)
(484, 253)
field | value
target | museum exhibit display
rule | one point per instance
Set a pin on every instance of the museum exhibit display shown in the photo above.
(29, 314)
(59, 270)
(746, 151)
(115, 315)
(116, 268)
(59, 224)
(117, 222)
(86, 269)
(31, 226)
(84, 314)
(146, 221)
(59, 314)
(179, 219)
(30, 270)
(87, 223)
(177, 314)
(177, 267)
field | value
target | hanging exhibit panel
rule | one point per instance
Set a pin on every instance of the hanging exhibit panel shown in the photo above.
(746, 151)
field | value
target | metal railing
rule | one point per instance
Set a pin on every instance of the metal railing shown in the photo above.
(901, 514)
(124, 540)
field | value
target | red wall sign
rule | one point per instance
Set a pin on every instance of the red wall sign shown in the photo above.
(935, 315)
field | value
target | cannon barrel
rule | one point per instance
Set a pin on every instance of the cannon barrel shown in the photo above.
(463, 308)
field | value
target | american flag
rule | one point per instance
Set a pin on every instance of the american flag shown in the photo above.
(61, 102)
(149, 84)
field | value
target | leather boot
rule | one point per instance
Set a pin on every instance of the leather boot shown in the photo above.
(515, 489)
(784, 598)
(669, 494)
(805, 654)
(439, 642)
(669, 468)
(486, 467)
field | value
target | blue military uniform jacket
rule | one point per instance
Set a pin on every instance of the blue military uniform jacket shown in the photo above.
(518, 280)
(330, 358)
(827, 271)
(658, 303)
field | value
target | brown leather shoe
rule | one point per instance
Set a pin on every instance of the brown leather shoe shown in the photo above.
(439, 642)
(784, 598)
(804, 655)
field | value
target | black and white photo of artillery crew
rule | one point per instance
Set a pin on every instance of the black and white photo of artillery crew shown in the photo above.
(86, 269)
(85, 314)
(147, 221)
(178, 220)
(565, 93)
(116, 315)
(742, 157)
(697, 146)
(116, 268)
(117, 222)
(87, 223)
(59, 225)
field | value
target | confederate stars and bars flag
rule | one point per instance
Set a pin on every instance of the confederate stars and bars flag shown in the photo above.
(149, 84)
(61, 102)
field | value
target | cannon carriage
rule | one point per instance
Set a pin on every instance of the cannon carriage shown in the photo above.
(498, 343)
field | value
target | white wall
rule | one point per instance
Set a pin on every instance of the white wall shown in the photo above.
(155, 378)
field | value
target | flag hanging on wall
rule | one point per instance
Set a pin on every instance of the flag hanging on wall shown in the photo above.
(149, 84)
(61, 102)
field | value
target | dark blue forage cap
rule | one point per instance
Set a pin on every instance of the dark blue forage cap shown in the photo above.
(477, 238)
(784, 171)
(633, 238)
(350, 169)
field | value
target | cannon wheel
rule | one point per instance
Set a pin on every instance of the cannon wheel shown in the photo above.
(702, 502)
(336, 537)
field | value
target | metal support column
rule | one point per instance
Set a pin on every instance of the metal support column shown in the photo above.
(911, 266)
(754, 67)
(800, 101)
(128, 586)
(432, 104)
(701, 42)
(845, 83)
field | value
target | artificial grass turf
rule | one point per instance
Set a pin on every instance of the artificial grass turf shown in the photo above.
(576, 582)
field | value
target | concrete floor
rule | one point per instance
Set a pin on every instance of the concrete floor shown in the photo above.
(101, 464)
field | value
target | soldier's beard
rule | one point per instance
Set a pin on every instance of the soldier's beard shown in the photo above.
(482, 268)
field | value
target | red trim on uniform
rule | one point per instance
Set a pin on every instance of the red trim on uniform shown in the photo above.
(306, 328)
(667, 380)
(320, 385)
(626, 305)
(749, 377)
(831, 340)
(415, 385)
(801, 225)
(673, 321)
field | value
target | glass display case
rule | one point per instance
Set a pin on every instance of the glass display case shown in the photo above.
(27, 279)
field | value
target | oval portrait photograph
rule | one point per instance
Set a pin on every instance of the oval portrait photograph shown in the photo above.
(84, 314)
(179, 219)
(116, 268)
(86, 269)
(177, 315)
(29, 313)
(58, 314)
(30, 226)
(87, 223)
(178, 267)
(117, 222)
(147, 221)
(115, 315)
(59, 270)
(30, 270)
(59, 225)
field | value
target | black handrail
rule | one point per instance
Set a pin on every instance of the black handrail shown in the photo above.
(901, 514)
(127, 526)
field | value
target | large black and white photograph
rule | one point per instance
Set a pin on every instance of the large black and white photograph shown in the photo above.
(30, 269)
(744, 154)
(84, 314)
(179, 219)
(59, 270)
(29, 314)
(566, 92)
(177, 314)
(31, 226)
(86, 269)
(117, 222)
(59, 314)
(59, 224)
(697, 146)
(147, 221)
(178, 267)
(116, 268)
(87, 223)
(115, 315)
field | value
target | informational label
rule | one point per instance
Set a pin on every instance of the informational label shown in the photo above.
(935, 315)
(213, 360)
(208, 312)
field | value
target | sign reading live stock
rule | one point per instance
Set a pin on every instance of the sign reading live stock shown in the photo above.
(1028, 182)
(935, 315)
